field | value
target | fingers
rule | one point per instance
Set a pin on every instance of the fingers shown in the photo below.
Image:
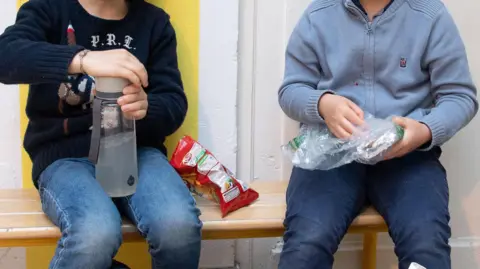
(132, 94)
(129, 99)
(342, 128)
(394, 151)
(138, 69)
(131, 107)
(134, 102)
(402, 147)
(133, 65)
(347, 126)
(140, 114)
(339, 132)
(399, 149)
(136, 110)
(129, 75)
(356, 109)
(136, 115)
(402, 122)
(132, 89)
(352, 117)
(396, 154)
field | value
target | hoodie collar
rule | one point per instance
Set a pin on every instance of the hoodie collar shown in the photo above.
(359, 5)
(389, 10)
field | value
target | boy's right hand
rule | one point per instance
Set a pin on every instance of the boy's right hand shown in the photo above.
(111, 63)
(340, 114)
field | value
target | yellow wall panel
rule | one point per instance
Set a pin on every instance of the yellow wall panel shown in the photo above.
(185, 18)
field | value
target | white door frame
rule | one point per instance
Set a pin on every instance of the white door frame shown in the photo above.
(262, 125)
(260, 120)
(217, 83)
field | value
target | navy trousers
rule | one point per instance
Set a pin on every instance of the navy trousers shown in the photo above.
(411, 193)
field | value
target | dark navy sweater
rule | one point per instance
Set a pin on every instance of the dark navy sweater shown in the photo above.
(38, 49)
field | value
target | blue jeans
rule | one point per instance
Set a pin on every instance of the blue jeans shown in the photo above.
(411, 193)
(162, 209)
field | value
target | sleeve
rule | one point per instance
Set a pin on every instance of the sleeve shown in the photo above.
(454, 92)
(25, 53)
(299, 96)
(167, 103)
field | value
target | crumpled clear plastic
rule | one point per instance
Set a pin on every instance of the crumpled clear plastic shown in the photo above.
(316, 148)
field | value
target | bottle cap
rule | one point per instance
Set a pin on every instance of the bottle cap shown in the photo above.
(110, 84)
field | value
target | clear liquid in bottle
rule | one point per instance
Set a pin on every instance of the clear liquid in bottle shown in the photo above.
(116, 170)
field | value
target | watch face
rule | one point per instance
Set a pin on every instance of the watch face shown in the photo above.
(82, 55)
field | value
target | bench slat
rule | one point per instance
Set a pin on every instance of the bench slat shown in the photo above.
(30, 206)
(19, 207)
(22, 222)
(19, 195)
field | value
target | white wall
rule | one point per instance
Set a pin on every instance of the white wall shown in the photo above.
(273, 20)
(10, 160)
(462, 154)
(217, 102)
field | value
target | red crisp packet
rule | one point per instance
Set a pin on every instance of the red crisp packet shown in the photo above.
(207, 177)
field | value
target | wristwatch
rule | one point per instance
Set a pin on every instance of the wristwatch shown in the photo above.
(82, 55)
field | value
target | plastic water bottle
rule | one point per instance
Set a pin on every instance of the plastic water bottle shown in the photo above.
(113, 147)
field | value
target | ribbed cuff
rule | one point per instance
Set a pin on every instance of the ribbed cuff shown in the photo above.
(53, 61)
(311, 111)
(438, 131)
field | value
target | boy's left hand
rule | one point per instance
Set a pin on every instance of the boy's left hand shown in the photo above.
(134, 102)
(416, 135)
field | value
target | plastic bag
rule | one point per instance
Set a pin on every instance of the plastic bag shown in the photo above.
(316, 148)
(206, 177)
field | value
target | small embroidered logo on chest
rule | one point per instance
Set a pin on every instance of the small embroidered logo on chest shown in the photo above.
(403, 62)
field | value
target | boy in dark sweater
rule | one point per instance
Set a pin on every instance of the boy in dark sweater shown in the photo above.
(58, 46)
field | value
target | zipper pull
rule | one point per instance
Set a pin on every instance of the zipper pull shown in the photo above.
(369, 28)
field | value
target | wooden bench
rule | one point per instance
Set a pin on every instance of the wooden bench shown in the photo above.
(23, 224)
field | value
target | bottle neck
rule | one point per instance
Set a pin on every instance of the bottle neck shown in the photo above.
(108, 95)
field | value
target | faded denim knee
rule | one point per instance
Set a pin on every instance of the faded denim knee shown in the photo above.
(174, 234)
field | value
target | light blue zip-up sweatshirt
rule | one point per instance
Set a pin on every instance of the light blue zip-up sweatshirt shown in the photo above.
(409, 61)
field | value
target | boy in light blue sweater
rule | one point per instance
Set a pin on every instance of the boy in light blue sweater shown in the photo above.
(387, 57)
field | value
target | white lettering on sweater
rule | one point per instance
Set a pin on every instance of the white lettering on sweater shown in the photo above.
(95, 40)
(110, 40)
(128, 40)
